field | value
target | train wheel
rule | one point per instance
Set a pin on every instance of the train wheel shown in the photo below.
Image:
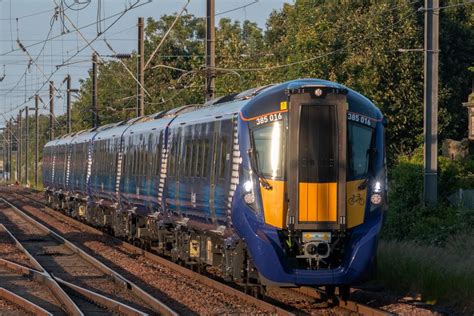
(344, 292)
(330, 291)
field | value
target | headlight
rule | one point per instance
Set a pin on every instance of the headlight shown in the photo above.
(249, 191)
(248, 186)
(376, 198)
(377, 187)
(249, 198)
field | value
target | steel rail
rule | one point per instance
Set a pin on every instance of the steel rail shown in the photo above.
(63, 299)
(154, 303)
(268, 307)
(23, 303)
(96, 298)
(44, 277)
(102, 300)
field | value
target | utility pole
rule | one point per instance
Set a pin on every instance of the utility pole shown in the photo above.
(4, 152)
(4, 155)
(52, 123)
(141, 68)
(36, 138)
(10, 153)
(7, 148)
(210, 50)
(94, 90)
(27, 127)
(431, 101)
(18, 148)
(68, 104)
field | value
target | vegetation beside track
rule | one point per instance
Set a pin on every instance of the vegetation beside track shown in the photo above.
(427, 251)
(438, 275)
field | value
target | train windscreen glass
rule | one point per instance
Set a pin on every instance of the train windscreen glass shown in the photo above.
(359, 143)
(270, 148)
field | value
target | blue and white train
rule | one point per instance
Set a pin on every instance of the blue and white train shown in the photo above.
(280, 185)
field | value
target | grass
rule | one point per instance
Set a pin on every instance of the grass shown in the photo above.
(443, 276)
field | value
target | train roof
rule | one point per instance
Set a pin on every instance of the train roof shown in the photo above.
(266, 97)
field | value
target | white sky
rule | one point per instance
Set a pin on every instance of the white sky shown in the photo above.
(122, 36)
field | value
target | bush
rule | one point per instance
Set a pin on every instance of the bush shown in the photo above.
(440, 275)
(409, 219)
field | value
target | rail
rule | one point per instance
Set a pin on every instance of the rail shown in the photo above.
(156, 305)
(266, 306)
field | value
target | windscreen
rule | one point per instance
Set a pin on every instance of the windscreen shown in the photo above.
(270, 149)
(359, 143)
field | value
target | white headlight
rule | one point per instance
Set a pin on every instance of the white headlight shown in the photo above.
(376, 199)
(378, 187)
(248, 186)
(249, 198)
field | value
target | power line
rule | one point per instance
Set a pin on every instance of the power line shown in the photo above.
(26, 16)
(137, 4)
(121, 13)
(318, 56)
(166, 34)
(238, 8)
(39, 54)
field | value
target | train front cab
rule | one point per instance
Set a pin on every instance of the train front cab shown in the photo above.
(322, 187)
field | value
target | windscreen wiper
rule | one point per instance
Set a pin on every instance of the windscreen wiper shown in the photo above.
(254, 165)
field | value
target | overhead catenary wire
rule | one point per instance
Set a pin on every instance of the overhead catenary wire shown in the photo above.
(236, 70)
(126, 68)
(120, 14)
(256, 69)
(238, 8)
(38, 55)
(166, 34)
(26, 16)
(135, 5)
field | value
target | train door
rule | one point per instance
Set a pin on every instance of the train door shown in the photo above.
(317, 158)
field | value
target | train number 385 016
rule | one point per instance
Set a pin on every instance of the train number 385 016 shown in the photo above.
(269, 118)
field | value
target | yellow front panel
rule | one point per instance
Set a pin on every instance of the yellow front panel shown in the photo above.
(303, 198)
(332, 202)
(273, 204)
(323, 201)
(317, 202)
(356, 200)
(312, 202)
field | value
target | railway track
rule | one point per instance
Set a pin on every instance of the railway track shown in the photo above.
(308, 301)
(61, 266)
(157, 272)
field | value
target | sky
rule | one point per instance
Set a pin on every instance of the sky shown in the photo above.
(30, 22)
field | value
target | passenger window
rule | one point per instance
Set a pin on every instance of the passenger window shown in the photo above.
(223, 156)
(185, 159)
(189, 158)
(205, 158)
(196, 159)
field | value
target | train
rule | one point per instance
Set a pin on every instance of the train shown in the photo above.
(282, 185)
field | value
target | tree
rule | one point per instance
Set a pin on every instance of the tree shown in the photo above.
(355, 43)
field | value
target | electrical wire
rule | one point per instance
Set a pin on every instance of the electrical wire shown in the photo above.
(26, 16)
(238, 8)
(51, 24)
(166, 34)
(126, 68)
(339, 50)
(120, 14)
(137, 4)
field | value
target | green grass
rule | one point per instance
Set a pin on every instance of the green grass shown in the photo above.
(442, 276)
